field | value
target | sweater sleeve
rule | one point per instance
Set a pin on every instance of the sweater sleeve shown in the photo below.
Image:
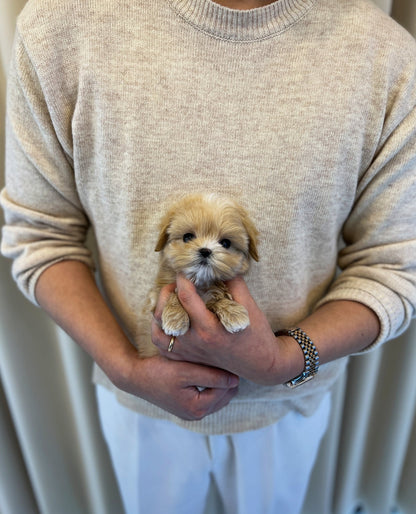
(378, 261)
(44, 219)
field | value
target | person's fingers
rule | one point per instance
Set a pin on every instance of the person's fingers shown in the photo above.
(164, 294)
(201, 390)
(191, 301)
(161, 340)
(215, 388)
(216, 399)
(238, 289)
(190, 391)
(212, 378)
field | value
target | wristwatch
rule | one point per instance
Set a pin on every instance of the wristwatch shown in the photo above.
(310, 354)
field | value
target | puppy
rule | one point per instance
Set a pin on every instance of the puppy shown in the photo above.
(209, 239)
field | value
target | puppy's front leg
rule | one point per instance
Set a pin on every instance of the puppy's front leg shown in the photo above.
(175, 320)
(233, 316)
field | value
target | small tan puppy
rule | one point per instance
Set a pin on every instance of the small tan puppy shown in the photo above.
(209, 239)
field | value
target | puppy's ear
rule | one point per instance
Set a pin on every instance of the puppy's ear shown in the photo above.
(252, 233)
(252, 247)
(163, 233)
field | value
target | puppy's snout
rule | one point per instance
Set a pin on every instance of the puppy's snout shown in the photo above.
(205, 252)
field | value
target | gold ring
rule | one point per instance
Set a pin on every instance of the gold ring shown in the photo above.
(171, 343)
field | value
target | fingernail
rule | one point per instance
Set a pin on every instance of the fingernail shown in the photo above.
(234, 381)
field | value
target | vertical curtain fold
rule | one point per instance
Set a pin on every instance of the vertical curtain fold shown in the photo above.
(404, 11)
(53, 458)
(16, 494)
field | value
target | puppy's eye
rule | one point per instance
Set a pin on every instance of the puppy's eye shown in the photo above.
(226, 243)
(188, 237)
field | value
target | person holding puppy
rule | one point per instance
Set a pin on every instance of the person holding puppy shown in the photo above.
(304, 111)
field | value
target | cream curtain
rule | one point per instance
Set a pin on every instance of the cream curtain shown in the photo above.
(53, 459)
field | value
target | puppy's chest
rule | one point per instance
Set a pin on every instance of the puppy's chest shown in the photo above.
(213, 293)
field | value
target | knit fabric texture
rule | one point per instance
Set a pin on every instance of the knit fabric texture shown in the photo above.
(303, 110)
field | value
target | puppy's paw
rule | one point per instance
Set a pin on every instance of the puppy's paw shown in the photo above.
(175, 323)
(175, 320)
(233, 316)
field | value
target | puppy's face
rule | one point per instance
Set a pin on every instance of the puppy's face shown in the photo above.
(208, 239)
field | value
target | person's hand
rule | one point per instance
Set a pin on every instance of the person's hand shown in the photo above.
(190, 391)
(254, 353)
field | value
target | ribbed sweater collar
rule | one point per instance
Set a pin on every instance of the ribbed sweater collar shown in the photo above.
(237, 25)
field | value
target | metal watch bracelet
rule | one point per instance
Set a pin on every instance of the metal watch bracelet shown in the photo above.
(310, 354)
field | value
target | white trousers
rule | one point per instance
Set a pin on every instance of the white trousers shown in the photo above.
(163, 468)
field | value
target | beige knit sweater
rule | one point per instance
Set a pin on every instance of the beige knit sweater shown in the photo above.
(304, 110)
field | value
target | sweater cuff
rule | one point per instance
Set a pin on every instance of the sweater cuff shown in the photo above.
(389, 313)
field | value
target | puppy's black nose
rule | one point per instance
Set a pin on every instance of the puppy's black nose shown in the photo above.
(205, 252)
